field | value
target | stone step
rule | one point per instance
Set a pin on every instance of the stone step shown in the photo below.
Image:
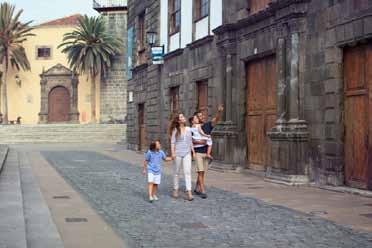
(12, 221)
(63, 133)
(41, 230)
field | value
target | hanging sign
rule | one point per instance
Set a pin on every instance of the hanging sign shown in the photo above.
(157, 55)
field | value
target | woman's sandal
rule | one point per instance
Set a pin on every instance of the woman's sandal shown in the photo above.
(175, 194)
(190, 197)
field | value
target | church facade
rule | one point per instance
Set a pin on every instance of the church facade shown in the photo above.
(51, 93)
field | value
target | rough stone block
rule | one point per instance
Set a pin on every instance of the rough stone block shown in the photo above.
(332, 86)
(317, 88)
(340, 33)
(367, 25)
(330, 116)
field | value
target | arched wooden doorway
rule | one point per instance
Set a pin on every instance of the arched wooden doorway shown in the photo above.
(59, 95)
(59, 105)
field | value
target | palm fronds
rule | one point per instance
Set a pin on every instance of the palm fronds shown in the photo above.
(90, 48)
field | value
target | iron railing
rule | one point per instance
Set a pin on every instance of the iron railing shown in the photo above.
(102, 4)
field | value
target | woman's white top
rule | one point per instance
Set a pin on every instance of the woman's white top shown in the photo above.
(183, 143)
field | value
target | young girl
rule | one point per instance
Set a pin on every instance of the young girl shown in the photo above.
(152, 166)
(198, 135)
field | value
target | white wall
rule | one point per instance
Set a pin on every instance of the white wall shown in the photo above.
(174, 42)
(201, 28)
(180, 40)
(186, 22)
(215, 14)
(164, 24)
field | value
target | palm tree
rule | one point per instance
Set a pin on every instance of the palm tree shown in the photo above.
(91, 50)
(12, 34)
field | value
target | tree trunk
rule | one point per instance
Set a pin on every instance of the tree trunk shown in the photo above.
(1, 104)
(4, 93)
(93, 100)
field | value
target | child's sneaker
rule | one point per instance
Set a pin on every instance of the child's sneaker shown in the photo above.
(151, 199)
(155, 198)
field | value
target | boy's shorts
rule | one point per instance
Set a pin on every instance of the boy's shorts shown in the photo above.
(152, 178)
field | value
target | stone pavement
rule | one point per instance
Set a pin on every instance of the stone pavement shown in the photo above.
(116, 190)
(350, 210)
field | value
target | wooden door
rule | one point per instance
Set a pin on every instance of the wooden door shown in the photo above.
(141, 127)
(261, 111)
(202, 88)
(358, 116)
(59, 105)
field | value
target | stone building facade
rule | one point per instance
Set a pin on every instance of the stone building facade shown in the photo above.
(113, 87)
(295, 79)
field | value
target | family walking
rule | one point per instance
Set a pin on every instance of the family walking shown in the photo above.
(187, 144)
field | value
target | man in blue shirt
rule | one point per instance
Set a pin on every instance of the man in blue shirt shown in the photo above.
(201, 152)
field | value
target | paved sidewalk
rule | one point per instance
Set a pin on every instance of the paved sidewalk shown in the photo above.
(347, 209)
(78, 224)
(12, 220)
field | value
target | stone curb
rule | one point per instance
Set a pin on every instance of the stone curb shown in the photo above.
(3, 155)
(338, 189)
(346, 190)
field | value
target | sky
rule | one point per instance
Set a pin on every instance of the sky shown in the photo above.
(44, 10)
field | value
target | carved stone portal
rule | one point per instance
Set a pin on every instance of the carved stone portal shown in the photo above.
(59, 76)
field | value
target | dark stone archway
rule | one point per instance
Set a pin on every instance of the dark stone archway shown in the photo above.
(57, 76)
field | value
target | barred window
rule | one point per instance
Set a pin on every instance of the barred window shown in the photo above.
(43, 52)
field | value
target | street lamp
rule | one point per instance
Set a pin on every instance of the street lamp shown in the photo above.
(151, 38)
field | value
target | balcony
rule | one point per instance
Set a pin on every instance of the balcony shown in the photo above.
(109, 5)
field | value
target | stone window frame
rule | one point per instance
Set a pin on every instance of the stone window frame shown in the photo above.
(43, 47)
(141, 38)
(173, 12)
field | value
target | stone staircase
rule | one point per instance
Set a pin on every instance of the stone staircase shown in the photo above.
(25, 219)
(63, 133)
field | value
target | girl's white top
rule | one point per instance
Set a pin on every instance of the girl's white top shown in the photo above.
(196, 135)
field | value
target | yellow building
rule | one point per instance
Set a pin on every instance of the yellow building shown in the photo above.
(49, 93)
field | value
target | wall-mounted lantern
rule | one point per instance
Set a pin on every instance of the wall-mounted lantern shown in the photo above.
(151, 37)
(18, 81)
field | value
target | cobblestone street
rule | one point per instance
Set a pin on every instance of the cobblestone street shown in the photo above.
(117, 191)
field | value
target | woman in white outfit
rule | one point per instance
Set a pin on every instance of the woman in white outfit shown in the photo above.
(182, 152)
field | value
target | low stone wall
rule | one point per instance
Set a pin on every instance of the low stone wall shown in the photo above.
(3, 154)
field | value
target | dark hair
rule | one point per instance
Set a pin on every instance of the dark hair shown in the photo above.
(153, 145)
(191, 119)
(175, 124)
(197, 112)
